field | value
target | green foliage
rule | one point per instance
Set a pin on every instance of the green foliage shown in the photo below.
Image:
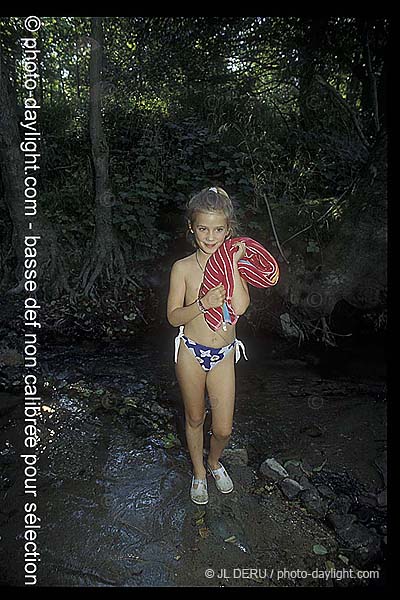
(190, 101)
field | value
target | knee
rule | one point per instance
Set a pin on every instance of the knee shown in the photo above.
(222, 434)
(195, 421)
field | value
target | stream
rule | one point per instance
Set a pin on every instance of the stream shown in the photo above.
(114, 473)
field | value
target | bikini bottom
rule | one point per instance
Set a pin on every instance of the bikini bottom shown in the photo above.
(206, 356)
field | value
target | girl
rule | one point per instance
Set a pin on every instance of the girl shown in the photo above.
(205, 359)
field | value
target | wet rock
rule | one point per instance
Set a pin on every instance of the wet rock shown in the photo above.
(314, 504)
(340, 522)
(290, 488)
(226, 523)
(236, 456)
(312, 463)
(326, 492)
(294, 469)
(341, 504)
(273, 469)
(381, 464)
(306, 484)
(382, 498)
(368, 499)
(364, 543)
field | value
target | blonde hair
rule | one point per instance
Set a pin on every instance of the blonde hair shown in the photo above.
(213, 199)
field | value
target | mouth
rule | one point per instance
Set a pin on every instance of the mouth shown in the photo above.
(210, 246)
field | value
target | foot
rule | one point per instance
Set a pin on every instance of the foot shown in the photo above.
(222, 480)
(198, 491)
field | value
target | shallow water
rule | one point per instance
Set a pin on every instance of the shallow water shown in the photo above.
(113, 496)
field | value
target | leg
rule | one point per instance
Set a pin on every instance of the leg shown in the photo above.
(191, 377)
(221, 391)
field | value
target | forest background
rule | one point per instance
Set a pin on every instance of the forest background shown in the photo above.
(288, 114)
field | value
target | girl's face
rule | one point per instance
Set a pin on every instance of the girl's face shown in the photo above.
(210, 230)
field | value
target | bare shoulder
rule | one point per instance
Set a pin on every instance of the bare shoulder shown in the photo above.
(183, 265)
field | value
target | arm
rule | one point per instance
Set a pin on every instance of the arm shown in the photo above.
(241, 297)
(177, 314)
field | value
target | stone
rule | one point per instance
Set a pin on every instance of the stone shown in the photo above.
(290, 488)
(326, 492)
(382, 498)
(313, 502)
(365, 544)
(340, 521)
(341, 504)
(273, 469)
(381, 464)
(306, 483)
(313, 463)
(368, 499)
(293, 469)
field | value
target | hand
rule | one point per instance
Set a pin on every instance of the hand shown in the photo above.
(214, 297)
(241, 252)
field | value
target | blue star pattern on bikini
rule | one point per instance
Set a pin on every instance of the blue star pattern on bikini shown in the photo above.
(207, 357)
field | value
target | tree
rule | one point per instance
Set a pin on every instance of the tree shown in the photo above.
(51, 271)
(106, 257)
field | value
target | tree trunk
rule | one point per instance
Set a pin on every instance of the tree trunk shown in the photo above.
(106, 257)
(11, 163)
(51, 272)
(100, 150)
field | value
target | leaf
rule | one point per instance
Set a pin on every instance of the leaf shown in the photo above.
(204, 532)
(295, 463)
(319, 549)
(312, 246)
(320, 466)
(130, 402)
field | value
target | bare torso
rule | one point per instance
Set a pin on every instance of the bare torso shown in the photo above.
(197, 329)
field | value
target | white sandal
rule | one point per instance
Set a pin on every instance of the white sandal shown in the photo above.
(222, 480)
(199, 494)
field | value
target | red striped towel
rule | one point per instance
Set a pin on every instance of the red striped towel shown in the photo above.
(258, 267)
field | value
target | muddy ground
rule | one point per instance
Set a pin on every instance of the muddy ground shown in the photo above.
(114, 473)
